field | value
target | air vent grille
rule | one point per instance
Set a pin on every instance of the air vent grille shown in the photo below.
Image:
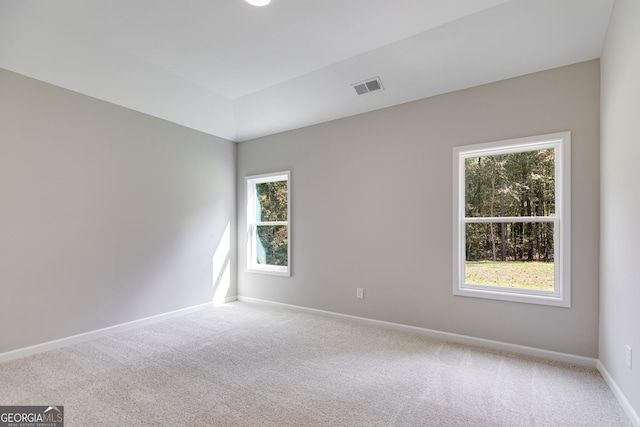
(367, 86)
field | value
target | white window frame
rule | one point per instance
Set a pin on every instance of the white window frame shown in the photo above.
(252, 224)
(561, 295)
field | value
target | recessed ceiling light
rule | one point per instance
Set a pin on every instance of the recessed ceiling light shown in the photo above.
(258, 2)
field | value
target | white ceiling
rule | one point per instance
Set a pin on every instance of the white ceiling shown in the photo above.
(240, 72)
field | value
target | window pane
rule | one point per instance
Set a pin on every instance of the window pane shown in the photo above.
(271, 198)
(272, 245)
(523, 258)
(516, 184)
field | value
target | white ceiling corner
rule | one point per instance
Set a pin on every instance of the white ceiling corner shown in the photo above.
(239, 72)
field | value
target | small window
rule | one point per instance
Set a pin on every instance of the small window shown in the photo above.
(512, 220)
(268, 223)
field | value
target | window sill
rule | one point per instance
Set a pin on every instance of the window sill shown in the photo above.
(495, 293)
(272, 270)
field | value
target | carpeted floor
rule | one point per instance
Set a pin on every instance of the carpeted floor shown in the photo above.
(251, 365)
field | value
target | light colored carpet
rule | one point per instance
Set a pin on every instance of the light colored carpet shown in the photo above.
(251, 365)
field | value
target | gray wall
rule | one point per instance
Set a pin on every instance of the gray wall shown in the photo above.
(106, 215)
(372, 208)
(620, 179)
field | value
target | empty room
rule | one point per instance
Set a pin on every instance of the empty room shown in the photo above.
(337, 213)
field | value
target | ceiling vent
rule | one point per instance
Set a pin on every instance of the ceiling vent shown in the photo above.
(370, 85)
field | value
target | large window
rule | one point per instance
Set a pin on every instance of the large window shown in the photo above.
(512, 220)
(268, 221)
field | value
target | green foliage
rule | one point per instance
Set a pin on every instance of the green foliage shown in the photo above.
(526, 182)
(272, 202)
(510, 185)
(272, 245)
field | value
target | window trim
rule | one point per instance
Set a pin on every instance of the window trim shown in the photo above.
(251, 223)
(561, 296)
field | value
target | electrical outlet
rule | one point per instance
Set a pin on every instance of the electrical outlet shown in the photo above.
(359, 293)
(627, 358)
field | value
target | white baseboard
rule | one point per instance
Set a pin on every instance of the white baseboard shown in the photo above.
(51, 345)
(461, 339)
(628, 409)
(480, 342)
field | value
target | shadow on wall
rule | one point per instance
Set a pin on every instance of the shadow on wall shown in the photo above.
(222, 268)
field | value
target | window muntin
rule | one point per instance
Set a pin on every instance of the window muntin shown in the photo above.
(511, 235)
(268, 231)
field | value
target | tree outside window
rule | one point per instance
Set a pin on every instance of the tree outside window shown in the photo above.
(268, 223)
(512, 229)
